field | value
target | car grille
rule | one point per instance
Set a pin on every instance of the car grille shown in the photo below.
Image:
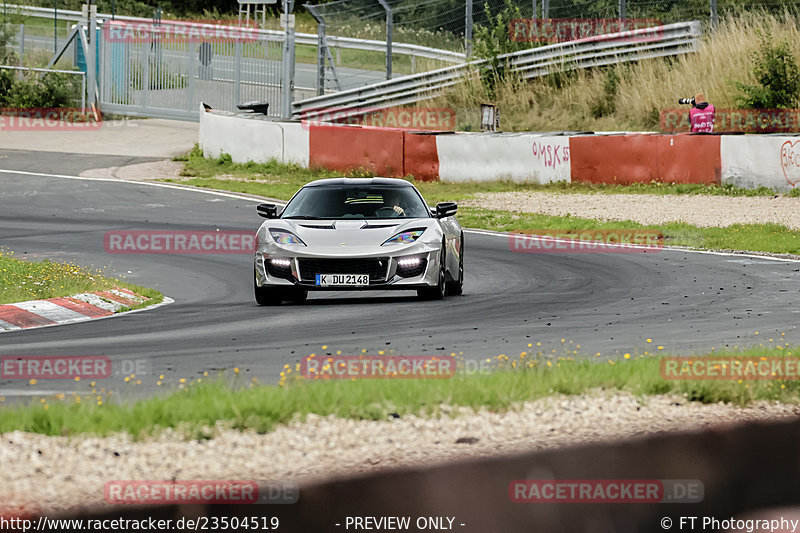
(411, 271)
(376, 268)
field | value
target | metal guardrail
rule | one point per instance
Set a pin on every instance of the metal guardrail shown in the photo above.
(300, 38)
(644, 43)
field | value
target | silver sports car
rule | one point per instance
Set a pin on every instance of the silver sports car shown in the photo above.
(356, 234)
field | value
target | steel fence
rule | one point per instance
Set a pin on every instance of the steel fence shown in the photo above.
(344, 41)
(34, 44)
(166, 74)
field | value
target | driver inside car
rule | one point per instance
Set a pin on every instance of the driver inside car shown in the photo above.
(395, 202)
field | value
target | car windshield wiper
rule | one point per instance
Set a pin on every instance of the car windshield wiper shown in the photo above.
(304, 217)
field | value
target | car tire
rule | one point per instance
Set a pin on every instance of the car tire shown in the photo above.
(267, 295)
(456, 287)
(438, 291)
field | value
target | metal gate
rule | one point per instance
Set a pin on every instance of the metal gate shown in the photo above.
(167, 70)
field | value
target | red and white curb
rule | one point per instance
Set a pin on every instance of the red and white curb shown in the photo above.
(76, 308)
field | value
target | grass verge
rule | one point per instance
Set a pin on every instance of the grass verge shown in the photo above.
(768, 238)
(22, 280)
(197, 407)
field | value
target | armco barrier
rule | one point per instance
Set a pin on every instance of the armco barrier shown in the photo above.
(625, 159)
(509, 156)
(753, 161)
(344, 148)
(742, 469)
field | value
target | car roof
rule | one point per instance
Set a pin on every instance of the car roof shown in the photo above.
(392, 182)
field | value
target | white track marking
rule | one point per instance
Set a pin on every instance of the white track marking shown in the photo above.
(134, 182)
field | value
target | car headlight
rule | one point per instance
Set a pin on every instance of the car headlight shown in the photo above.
(405, 237)
(285, 237)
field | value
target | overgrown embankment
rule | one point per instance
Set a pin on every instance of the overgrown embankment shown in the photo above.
(632, 96)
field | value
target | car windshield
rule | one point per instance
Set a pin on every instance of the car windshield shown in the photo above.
(361, 202)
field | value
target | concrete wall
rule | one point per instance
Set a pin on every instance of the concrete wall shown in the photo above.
(253, 139)
(743, 160)
(761, 160)
(517, 157)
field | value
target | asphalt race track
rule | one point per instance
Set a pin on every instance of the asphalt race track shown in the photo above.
(609, 303)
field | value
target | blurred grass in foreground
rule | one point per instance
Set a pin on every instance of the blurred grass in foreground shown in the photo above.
(196, 406)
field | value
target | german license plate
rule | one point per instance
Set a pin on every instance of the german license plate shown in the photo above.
(342, 280)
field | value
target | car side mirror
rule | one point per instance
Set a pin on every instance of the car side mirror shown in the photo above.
(267, 210)
(446, 209)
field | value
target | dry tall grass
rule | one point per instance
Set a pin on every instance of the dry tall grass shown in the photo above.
(587, 100)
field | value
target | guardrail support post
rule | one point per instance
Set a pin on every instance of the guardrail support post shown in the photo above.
(321, 45)
(389, 27)
(287, 79)
(21, 38)
(91, 53)
(468, 30)
(714, 17)
(55, 25)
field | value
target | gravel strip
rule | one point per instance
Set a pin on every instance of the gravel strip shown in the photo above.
(698, 210)
(155, 170)
(56, 473)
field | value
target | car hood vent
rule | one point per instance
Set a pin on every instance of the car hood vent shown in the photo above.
(317, 226)
(377, 226)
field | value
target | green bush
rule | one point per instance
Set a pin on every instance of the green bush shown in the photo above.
(6, 82)
(493, 40)
(778, 78)
(52, 90)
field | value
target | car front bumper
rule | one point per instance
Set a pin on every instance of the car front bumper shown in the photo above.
(412, 267)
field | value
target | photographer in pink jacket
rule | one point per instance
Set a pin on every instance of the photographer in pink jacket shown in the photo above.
(701, 115)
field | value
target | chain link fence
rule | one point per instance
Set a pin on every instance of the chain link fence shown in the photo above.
(445, 24)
